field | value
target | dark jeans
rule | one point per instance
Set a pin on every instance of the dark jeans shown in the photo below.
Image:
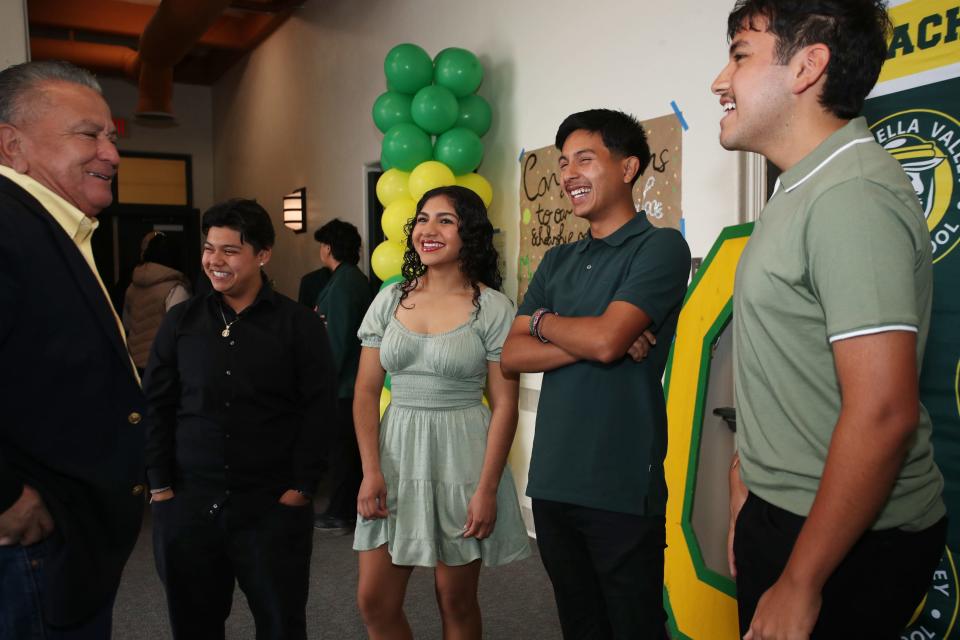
(871, 594)
(606, 569)
(201, 549)
(21, 600)
(346, 472)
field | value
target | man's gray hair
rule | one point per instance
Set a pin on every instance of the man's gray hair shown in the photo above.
(20, 79)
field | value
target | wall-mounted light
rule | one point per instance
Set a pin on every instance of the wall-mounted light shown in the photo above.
(295, 210)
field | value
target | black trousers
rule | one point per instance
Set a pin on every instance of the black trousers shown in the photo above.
(606, 569)
(201, 549)
(872, 593)
(346, 471)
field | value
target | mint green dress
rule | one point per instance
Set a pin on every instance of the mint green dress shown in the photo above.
(433, 437)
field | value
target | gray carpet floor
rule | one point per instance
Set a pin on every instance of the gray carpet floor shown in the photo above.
(516, 600)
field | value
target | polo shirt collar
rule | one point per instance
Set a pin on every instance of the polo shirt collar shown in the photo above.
(850, 135)
(633, 227)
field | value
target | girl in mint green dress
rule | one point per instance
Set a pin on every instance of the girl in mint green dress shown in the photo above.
(436, 491)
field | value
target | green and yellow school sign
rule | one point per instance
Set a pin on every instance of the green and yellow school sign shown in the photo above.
(701, 602)
(914, 112)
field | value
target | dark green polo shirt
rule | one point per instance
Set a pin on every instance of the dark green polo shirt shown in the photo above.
(343, 303)
(601, 433)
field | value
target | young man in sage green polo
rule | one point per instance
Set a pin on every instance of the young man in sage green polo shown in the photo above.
(596, 473)
(844, 522)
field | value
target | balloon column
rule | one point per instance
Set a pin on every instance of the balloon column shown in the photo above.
(432, 121)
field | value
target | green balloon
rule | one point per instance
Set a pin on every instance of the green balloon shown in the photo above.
(475, 114)
(460, 149)
(384, 163)
(434, 109)
(405, 145)
(408, 68)
(458, 70)
(391, 108)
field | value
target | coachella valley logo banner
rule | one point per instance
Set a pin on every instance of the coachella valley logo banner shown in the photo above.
(914, 112)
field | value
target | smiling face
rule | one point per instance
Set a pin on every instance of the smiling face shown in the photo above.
(594, 178)
(436, 232)
(67, 142)
(232, 265)
(755, 91)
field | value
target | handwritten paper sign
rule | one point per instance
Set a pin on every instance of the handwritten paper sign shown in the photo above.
(546, 216)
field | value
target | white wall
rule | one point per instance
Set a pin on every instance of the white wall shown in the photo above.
(297, 111)
(193, 134)
(13, 33)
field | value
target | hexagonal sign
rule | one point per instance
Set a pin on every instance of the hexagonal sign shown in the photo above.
(699, 594)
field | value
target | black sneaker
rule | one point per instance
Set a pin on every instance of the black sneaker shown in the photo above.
(332, 525)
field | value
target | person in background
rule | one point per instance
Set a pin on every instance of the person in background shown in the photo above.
(311, 284)
(240, 386)
(342, 304)
(71, 438)
(156, 286)
(436, 491)
(836, 517)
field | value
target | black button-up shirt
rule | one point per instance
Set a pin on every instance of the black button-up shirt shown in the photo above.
(244, 412)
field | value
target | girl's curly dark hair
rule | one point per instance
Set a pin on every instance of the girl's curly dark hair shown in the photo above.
(478, 258)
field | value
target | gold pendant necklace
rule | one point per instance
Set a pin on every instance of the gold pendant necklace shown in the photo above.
(226, 325)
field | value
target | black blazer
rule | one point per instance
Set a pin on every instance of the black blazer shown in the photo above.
(71, 408)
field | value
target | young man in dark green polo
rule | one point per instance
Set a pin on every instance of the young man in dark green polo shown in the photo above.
(844, 523)
(596, 473)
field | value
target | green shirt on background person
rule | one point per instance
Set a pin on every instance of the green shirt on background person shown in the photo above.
(342, 304)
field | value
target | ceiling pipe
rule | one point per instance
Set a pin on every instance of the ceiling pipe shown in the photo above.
(167, 38)
(101, 58)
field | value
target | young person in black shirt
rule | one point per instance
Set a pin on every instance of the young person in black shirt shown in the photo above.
(240, 386)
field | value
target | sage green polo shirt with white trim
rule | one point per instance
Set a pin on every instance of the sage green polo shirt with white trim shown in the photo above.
(841, 250)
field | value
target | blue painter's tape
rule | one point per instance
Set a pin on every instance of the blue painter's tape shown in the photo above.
(683, 227)
(522, 151)
(676, 110)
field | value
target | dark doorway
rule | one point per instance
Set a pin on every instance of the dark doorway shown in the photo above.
(374, 213)
(159, 197)
(116, 244)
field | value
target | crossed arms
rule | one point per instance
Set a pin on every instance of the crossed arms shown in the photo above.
(620, 330)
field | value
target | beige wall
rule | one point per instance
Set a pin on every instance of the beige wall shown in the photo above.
(13, 33)
(297, 112)
(193, 134)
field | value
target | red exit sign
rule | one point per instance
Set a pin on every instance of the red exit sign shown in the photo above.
(121, 125)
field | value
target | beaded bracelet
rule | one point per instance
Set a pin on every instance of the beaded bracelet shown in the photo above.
(535, 320)
(538, 320)
(537, 327)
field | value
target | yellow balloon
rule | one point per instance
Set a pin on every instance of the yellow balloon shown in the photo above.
(479, 185)
(384, 401)
(387, 259)
(429, 175)
(392, 186)
(395, 216)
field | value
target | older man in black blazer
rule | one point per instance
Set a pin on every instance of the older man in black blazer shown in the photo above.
(71, 442)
